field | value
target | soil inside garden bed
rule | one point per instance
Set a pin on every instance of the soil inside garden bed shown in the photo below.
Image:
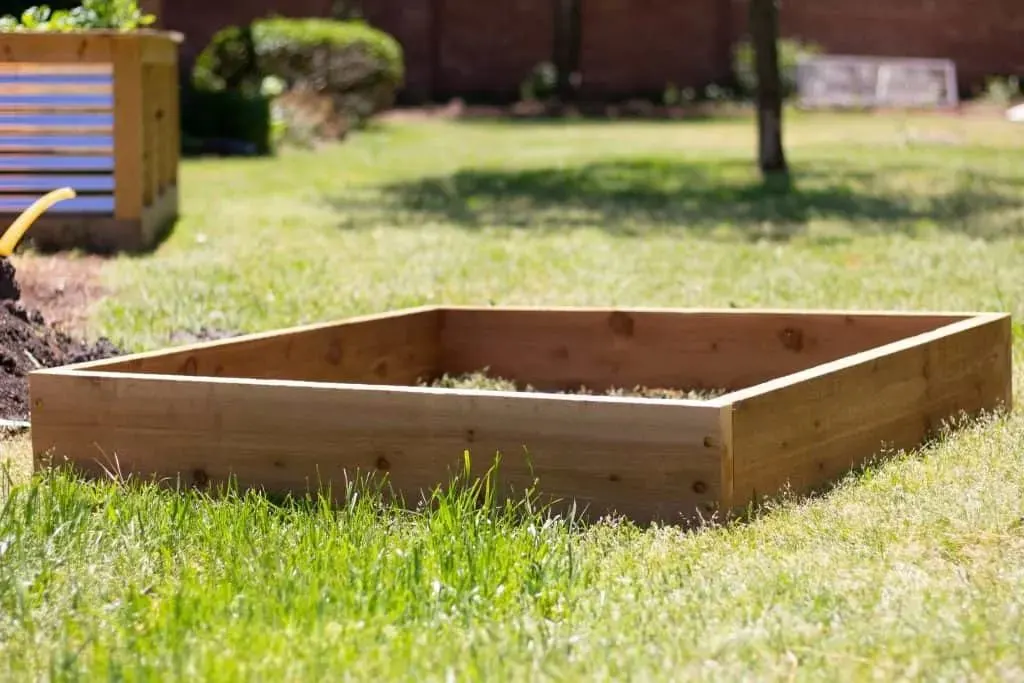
(482, 380)
(28, 342)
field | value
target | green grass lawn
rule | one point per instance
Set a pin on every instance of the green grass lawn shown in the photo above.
(910, 570)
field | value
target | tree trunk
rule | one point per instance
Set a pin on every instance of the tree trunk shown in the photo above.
(764, 33)
(566, 47)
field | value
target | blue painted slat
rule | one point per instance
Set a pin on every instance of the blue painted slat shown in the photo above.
(43, 162)
(45, 183)
(56, 100)
(96, 120)
(57, 79)
(51, 141)
(81, 204)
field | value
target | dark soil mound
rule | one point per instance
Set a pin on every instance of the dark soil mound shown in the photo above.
(9, 288)
(28, 343)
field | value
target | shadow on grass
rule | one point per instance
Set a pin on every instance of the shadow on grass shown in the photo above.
(640, 196)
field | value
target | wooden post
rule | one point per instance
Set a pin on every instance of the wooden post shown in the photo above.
(151, 161)
(129, 170)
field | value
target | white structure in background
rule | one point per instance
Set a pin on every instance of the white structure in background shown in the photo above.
(1016, 114)
(863, 82)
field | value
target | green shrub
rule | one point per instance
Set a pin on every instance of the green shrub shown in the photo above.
(790, 53)
(225, 115)
(540, 84)
(228, 62)
(357, 67)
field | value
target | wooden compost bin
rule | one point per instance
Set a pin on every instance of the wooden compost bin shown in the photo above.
(811, 394)
(96, 111)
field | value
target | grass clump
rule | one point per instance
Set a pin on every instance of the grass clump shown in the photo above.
(482, 380)
(128, 579)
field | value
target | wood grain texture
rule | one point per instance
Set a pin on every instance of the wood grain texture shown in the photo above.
(159, 218)
(150, 134)
(27, 86)
(391, 348)
(161, 47)
(167, 81)
(129, 131)
(269, 408)
(90, 233)
(807, 429)
(560, 349)
(88, 47)
(71, 69)
(646, 460)
(173, 121)
(104, 234)
(56, 144)
(74, 48)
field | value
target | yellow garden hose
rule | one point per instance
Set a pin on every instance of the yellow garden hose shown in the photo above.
(18, 228)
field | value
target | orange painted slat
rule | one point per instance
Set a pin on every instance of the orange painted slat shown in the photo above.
(36, 69)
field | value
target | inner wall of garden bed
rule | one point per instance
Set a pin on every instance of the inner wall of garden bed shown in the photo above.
(407, 393)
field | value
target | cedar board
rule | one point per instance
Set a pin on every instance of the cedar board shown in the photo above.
(811, 394)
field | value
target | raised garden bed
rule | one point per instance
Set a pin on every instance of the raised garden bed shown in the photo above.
(97, 111)
(808, 395)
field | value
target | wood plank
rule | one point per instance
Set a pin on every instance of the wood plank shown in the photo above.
(391, 348)
(160, 49)
(92, 47)
(90, 233)
(31, 122)
(100, 82)
(160, 216)
(57, 144)
(560, 349)
(647, 460)
(15, 204)
(167, 81)
(54, 163)
(50, 69)
(810, 428)
(45, 183)
(31, 87)
(173, 120)
(150, 135)
(56, 101)
(77, 48)
(129, 169)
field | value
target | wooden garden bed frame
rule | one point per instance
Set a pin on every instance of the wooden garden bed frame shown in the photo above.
(811, 394)
(98, 111)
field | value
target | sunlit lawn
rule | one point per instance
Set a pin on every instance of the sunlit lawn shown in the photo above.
(912, 570)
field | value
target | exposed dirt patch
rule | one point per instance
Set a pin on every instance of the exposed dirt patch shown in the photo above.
(62, 287)
(44, 307)
(481, 380)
